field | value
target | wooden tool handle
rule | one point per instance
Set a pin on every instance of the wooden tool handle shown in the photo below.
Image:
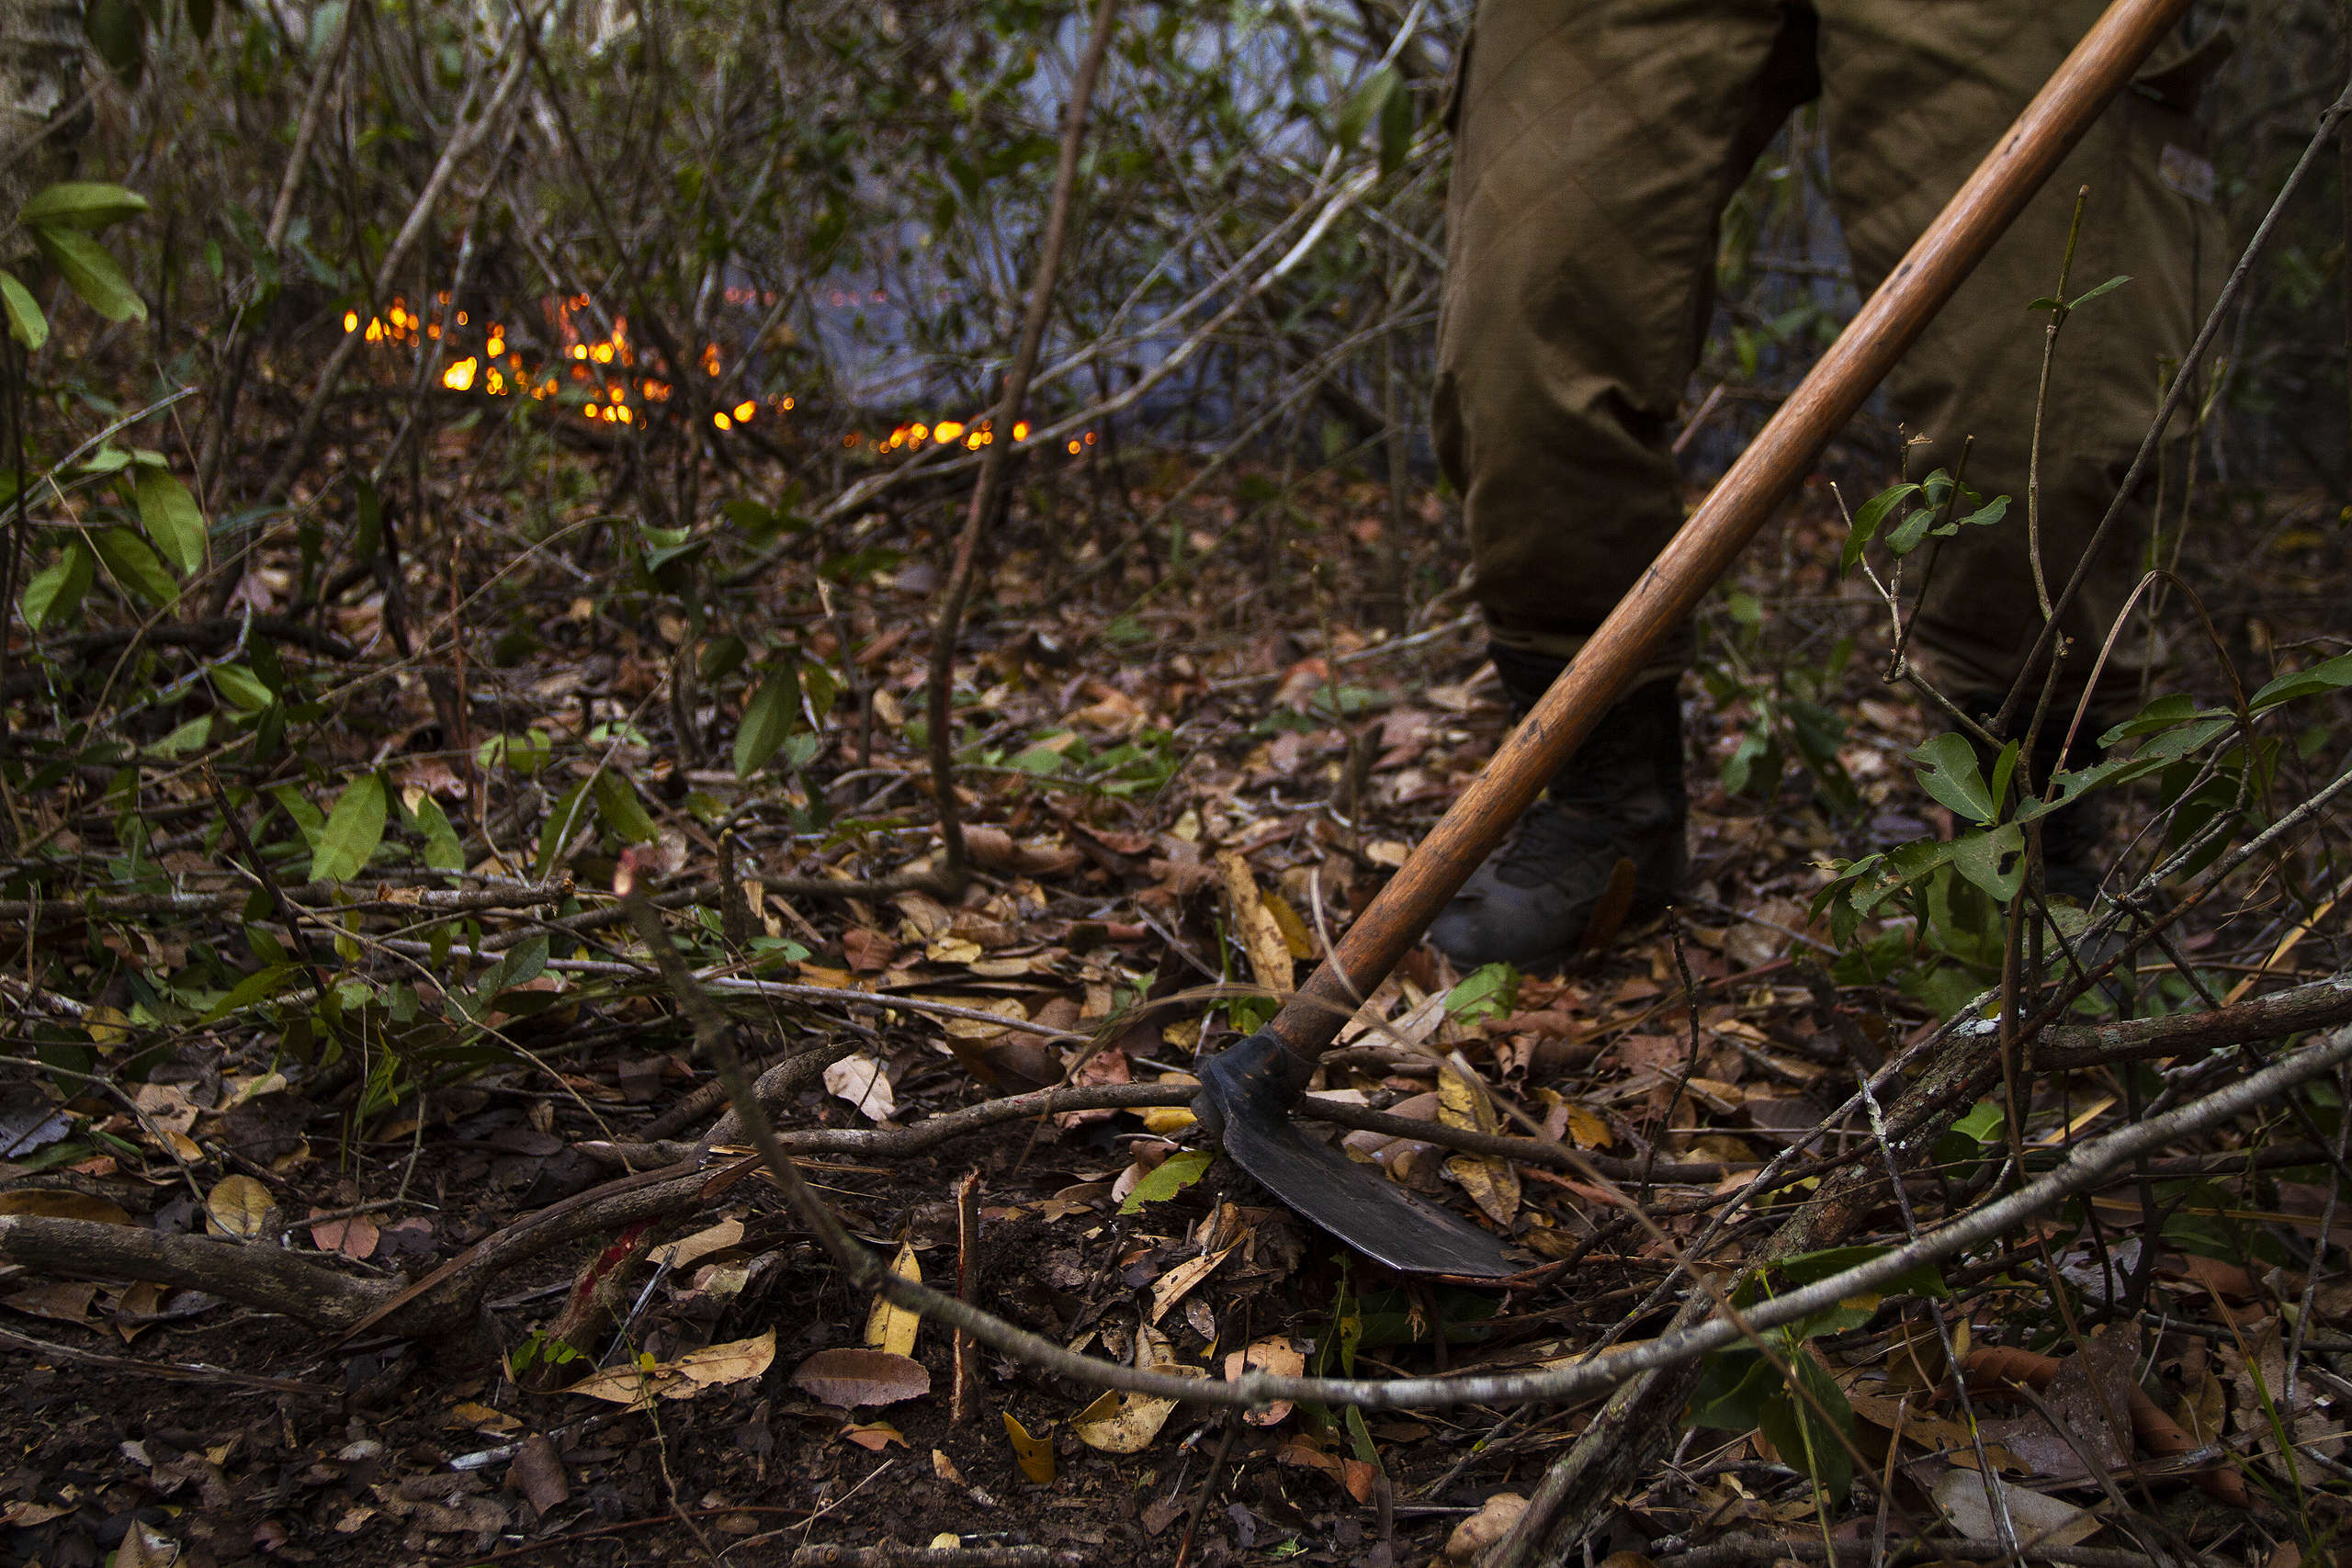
(2100, 66)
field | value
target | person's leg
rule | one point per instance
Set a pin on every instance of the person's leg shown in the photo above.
(1597, 142)
(1913, 97)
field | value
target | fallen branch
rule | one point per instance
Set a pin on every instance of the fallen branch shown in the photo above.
(177, 1371)
(259, 1276)
(2322, 1004)
(1740, 1549)
(317, 898)
(317, 1295)
(207, 636)
(932, 1130)
(893, 1556)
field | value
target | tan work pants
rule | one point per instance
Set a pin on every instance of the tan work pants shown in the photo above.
(1597, 143)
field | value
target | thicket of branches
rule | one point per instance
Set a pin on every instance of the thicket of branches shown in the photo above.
(373, 351)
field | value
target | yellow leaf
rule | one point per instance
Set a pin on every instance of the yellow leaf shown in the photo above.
(689, 1250)
(1587, 1130)
(467, 1415)
(254, 1087)
(636, 1384)
(1261, 933)
(1294, 929)
(1126, 1423)
(738, 1361)
(238, 1208)
(1034, 1455)
(1165, 1120)
(1277, 1354)
(972, 1028)
(1173, 1286)
(628, 1384)
(890, 1327)
(1461, 1104)
(63, 1205)
(1492, 1184)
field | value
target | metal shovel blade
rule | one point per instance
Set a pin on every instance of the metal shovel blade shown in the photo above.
(1243, 1096)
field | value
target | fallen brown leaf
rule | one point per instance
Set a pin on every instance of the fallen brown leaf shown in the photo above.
(850, 1377)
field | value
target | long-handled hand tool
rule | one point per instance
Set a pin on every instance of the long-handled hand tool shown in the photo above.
(1248, 1092)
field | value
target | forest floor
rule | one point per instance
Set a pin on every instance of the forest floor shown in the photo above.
(1166, 761)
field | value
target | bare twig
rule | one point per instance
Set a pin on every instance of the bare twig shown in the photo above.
(941, 684)
(176, 1371)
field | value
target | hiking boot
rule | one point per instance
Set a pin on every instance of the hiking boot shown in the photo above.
(1602, 845)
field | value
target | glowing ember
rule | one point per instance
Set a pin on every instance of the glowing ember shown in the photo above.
(599, 359)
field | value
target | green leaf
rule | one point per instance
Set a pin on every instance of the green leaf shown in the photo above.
(91, 273)
(241, 688)
(1867, 521)
(1948, 771)
(619, 809)
(561, 823)
(2328, 675)
(2004, 767)
(441, 851)
(1994, 861)
(2079, 300)
(1983, 1122)
(170, 515)
(1985, 516)
(354, 829)
(524, 754)
(821, 687)
(307, 819)
(82, 204)
(1808, 1268)
(1905, 535)
(118, 31)
(1734, 1386)
(258, 986)
(189, 737)
(26, 323)
(134, 565)
(1395, 128)
(767, 719)
(2173, 708)
(721, 657)
(57, 590)
(1360, 1440)
(1167, 1178)
(1803, 1439)
(1365, 106)
(524, 961)
(1489, 991)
